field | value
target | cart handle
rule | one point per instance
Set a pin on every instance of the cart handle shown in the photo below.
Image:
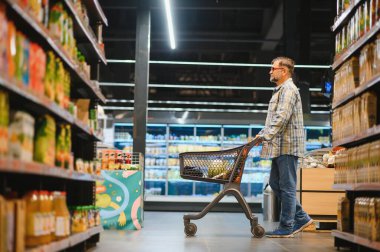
(243, 156)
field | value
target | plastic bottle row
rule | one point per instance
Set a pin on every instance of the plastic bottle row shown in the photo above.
(345, 119)
(357, 71)
(41, 217)
(358, 165)
(364, 18)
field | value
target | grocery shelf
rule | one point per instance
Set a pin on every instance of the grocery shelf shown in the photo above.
(156, 167)
(95, 11)
(173, 166)
(68, 242)
(356, 239)
(375, 80)
(163, 141)
(352, 140)
(183, 141)
(84, 32)
(47, 104)
(257, 169)
(123, 140)
(162, 155)
(344, 17)
(344, 100)
(17, 166)
(235, 142)
(57, 48)
(155, 180)
(358, 187)
(340, 59)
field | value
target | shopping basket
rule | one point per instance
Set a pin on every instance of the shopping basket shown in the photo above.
(224, 167)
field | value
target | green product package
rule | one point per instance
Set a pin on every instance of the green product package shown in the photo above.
(59, 82)
(44, 150)
(50, 76)
(60, 147)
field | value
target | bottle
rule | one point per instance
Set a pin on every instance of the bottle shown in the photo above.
(45, 217)
(345, 213)
(51, 215)
(62, 216)
(33, 220)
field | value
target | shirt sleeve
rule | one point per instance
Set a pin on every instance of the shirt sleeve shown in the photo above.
(281, 116)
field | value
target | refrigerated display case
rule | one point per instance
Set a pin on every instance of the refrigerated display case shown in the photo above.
(317, 137)
(165, 141)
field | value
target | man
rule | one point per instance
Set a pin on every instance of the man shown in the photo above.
(283, 141)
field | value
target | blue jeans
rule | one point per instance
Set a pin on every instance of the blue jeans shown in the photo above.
(283, 180)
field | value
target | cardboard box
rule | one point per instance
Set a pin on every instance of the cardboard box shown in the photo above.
(10, 225)
(3, 227)
(20, 211)
(83, 106)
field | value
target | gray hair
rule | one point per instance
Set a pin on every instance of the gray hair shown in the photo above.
(285, 62)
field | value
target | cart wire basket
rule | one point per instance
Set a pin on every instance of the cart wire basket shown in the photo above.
(225, 167)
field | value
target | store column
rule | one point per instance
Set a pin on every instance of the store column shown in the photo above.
(141, 76)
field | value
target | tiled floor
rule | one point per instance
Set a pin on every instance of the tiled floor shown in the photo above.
(163, 231)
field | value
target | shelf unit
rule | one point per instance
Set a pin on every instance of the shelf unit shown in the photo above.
(344, 16)
(358, 187)
(362, 137)
(85, 33)
(341, 58)
(162, 173)
(95, 11)
(34, 168)
(69, 242)
(77, 75)
(43, 103)
(373, 82)
(353, 191)
(19, 176)
(356, 239)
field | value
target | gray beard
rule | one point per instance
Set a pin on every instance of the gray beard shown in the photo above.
(273, 80)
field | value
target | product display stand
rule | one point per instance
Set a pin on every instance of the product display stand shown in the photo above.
(18, 177)
(355, 170)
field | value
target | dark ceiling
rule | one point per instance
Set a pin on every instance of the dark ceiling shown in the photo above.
(237, 31)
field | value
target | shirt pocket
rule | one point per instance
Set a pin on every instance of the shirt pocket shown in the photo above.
(273, 102)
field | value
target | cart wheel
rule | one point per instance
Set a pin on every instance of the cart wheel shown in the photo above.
(190, 229)
(258, 231)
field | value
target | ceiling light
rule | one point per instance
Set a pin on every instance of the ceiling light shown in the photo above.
(170, 23)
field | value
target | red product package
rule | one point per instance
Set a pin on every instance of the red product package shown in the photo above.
(3, 39)
(11, 49)
(37, 68)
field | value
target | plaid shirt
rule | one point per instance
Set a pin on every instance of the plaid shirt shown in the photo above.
(283, 133)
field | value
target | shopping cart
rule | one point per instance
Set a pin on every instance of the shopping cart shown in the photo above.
(224, 167)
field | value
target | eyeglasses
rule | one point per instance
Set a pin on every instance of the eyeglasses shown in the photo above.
(275, 68)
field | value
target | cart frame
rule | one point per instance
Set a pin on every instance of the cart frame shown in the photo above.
(231, 184)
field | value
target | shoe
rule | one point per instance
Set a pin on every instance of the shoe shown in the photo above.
(298, 227)
(279, 233)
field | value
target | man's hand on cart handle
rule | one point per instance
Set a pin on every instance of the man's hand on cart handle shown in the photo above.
(258, 139)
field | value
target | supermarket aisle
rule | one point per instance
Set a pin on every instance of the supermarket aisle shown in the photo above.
(163, 231)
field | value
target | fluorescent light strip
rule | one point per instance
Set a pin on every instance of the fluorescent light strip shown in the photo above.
(315, 89)
(192, 103)
(170, 23)
(185, 86)
(320, 112)
(319, 106)
(213, 63)
(203, 110)
(190, 109)
(114, 84)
